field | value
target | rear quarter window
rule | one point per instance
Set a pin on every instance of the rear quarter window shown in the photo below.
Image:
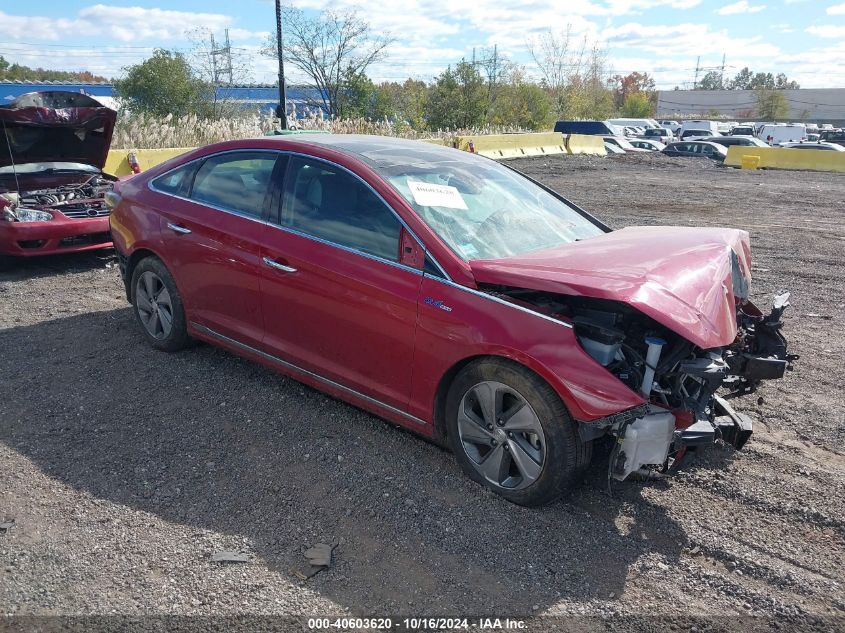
(176, 181)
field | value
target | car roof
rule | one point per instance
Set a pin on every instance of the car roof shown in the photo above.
(383, 151)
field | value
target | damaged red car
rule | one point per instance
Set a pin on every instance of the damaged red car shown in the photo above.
(454, 296)
(52, 188)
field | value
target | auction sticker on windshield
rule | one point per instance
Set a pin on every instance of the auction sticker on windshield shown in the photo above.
(431, 195)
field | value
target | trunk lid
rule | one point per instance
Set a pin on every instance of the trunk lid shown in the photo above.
(55, 126)
(683, 278)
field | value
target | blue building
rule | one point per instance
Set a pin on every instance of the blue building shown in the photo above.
(261, 96)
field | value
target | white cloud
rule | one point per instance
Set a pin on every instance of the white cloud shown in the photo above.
(684, 40)
(827, 31)
(836, 9)
(740, 7)
(244, 34)
(125, 24)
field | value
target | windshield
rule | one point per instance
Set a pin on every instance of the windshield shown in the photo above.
(33, 168)
(483, 210)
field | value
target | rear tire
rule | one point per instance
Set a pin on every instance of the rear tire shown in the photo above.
(500, 415)
(158, 306)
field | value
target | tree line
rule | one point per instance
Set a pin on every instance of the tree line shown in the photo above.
(18, 72)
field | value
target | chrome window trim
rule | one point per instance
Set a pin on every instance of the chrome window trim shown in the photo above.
(324, 380)
(348, 249)
(343, 247)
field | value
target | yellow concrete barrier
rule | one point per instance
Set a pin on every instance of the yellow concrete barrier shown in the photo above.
(750, 162)
(436, 141)
(585, 144)
(513, 145)
(117, 162)
(786, 158)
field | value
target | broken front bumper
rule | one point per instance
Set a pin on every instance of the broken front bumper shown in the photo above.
(59, 235)
(760, 354)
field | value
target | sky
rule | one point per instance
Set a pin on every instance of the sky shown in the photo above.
(803, 38)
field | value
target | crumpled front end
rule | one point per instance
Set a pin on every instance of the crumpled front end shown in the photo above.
(689, 397)
(675, 325)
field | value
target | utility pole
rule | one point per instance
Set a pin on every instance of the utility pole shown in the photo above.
(697, 65)
(495, 63)
(228, 53)
(722, 73)
(281, 111)
(213, 61)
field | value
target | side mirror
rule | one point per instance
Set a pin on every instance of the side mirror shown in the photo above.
(411, 252)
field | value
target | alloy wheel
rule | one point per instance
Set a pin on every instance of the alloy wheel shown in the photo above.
(155, 308)
(502, 435)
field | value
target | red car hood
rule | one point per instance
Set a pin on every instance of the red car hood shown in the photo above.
(55, 126)
(683, 278)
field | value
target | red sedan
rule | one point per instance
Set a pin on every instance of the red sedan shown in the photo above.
(52, 188)
(453, 296)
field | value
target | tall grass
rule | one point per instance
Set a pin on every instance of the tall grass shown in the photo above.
(140, 131)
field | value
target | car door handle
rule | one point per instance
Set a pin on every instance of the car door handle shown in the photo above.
(181, 230)
(274, 264)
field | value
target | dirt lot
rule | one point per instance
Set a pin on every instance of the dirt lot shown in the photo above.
(124, 469)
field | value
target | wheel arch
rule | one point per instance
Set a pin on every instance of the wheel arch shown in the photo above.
(446, 380)
(132, 261)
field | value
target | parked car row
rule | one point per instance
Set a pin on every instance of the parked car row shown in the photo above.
(699, 137)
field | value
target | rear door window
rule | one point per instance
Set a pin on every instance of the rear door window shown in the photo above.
(236, 181)
(176, 181)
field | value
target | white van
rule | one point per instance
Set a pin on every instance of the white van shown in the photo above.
(710, 126)
(643, 123)
(774, 133)
(670, 124)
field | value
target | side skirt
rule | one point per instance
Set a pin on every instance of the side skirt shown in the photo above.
(312, 379)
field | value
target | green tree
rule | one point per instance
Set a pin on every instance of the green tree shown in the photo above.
(406, 101)
(164, 84)
(747, 80)
(629, 84)
(711, 81)
(522, 104)
(782, 83)
(771, 104)
(458, 98)
(742, 80)
(360, 97)
(637, 105)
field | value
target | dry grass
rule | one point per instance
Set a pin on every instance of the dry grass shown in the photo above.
(138, 131)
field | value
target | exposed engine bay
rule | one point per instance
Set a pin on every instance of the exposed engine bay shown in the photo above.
(76, 200)
(678, 380)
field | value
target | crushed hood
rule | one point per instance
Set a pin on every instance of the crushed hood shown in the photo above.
(683, 278)
(55, 126)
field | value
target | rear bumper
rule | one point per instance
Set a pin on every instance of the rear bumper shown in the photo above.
(59, 235)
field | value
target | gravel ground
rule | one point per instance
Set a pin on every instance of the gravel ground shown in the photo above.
(125, 469)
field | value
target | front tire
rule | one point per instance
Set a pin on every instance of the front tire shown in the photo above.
(511, 432)
(158, 306)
